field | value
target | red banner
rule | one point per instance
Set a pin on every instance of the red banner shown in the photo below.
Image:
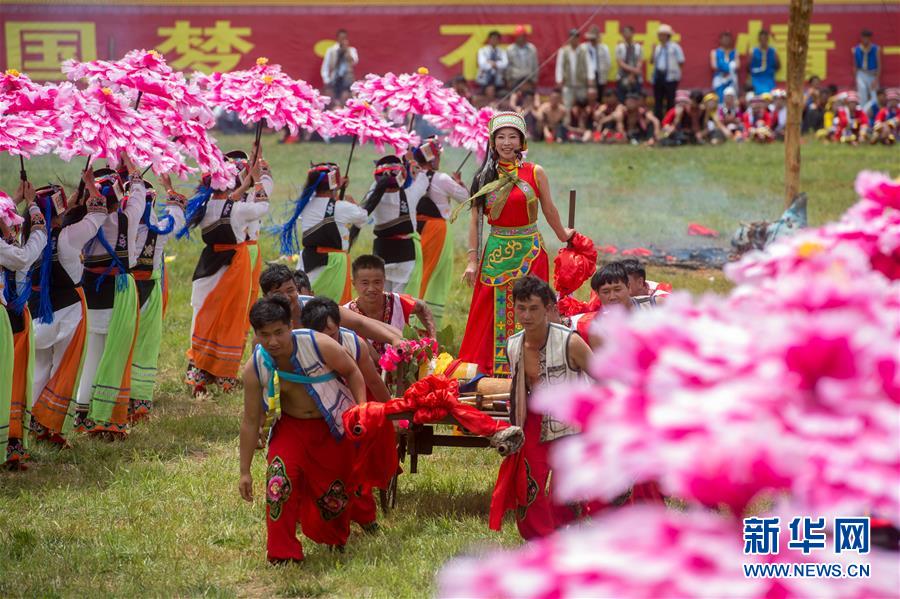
(444, 37)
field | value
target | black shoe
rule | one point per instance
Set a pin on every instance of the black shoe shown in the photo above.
(371, 528)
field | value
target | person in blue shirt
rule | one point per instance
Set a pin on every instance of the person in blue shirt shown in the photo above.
(866, 67)
(764, 64)
(724, 63)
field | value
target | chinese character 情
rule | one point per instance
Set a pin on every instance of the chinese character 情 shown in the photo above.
(206, 49)
(851, 534)
(761, 536)
(809, 536)
(37, 48)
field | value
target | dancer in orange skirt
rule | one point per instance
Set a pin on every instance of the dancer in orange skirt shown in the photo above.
(221, 282)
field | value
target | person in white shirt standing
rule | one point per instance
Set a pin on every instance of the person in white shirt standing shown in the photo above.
(338, 64)
(492, 63)
(326, 218)
(598, 60)
(668, 58)
(432, 214)
(572, 71)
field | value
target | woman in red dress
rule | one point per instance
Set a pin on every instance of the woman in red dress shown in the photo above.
(507, 191)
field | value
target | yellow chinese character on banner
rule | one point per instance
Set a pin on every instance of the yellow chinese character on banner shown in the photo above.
(37, 48)
(206, 49)
(467, 52)
(648, 40)
(816, 52)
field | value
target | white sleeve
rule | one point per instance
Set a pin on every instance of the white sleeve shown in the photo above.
(326, 66)
(559, 67)
(268, 184)
(419, 186)
(18, 258)
(249, 211)
(137, 198)
(449, 187)
(177, 214)
(504, 60)
(352, 214)
(483, 58)
(354, 55)
(74, 237)
(679, 53)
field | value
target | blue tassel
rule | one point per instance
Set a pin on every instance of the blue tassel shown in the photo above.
(165, 229)
(288, 231)
(409, 181)
(45, 302)
(121, 278)
(16, 303)
(195, 209)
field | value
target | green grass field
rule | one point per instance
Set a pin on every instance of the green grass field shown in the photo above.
(159, 514)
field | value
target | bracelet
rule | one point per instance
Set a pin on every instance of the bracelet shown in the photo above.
(471, 251)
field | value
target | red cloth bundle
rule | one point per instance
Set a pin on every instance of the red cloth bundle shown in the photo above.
(430, 400)
(574, 264)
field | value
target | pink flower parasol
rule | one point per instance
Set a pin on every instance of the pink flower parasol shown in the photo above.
(101, 124)
(469, 132)
(193, 139)
(21, 94)
(27, 133)
(362, 120)
(411, 94)
(144, 72)
(8, 214)
(265, 93)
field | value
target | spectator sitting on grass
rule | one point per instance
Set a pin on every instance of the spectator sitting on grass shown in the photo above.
(638, 122)
(758, 120)
(552, 116)
(607, 119)
(712, 129)
(581, 118)
(779, 113)
(682, 122)
(876, 104)
(731, 116)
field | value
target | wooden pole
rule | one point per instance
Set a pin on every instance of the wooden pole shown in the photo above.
(349, 162)
(798, 42)
(571, 208)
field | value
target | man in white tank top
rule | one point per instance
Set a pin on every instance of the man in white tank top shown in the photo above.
(309, 380)
(322, 314)
(542, 354)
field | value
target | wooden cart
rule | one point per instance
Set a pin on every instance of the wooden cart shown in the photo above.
(421, 439)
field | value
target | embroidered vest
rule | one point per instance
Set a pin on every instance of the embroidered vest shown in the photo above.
(555, 369)
(63, 290)
(99, 280)
(325, 234)
(218, 232)
(392, 241)
(329, 392)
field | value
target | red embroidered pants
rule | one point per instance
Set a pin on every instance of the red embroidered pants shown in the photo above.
(541, 516)
(307, 482)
